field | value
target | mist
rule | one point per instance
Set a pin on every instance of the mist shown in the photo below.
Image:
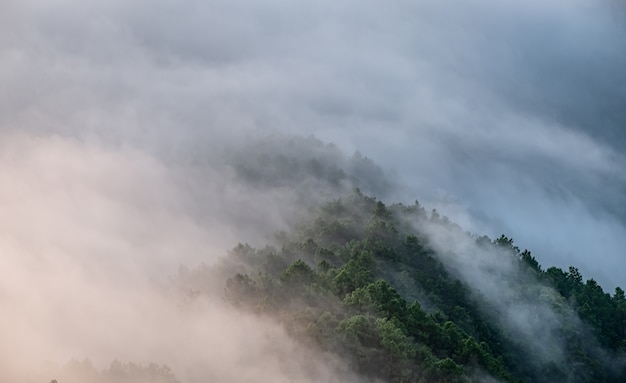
(531, 311)
(507, 116)
(89, 238)
(127, 128)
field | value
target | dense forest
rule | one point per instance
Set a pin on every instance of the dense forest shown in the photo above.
(387, 292)
(369, 284)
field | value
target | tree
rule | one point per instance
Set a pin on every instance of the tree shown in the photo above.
(575, 277)
(530, 261)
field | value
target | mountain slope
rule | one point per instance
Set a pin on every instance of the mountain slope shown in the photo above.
(373, 285)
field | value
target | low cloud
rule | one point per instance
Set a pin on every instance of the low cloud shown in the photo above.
(89, 236)
(117, 120)
(528, 311)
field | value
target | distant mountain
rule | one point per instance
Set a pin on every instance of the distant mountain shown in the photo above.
(266, 184)
(83, 371)
(308, 166)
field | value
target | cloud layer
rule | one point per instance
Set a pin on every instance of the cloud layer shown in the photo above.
(515, 111)
(116, 117)
(89, 236)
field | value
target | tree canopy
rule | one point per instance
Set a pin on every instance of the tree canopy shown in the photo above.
(361, 280)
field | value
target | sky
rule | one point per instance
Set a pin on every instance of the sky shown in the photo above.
(507, 117)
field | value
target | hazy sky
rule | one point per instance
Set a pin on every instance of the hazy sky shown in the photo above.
(508, 117)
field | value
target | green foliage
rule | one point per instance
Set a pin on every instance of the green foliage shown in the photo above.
(357, 280)
(530, 261)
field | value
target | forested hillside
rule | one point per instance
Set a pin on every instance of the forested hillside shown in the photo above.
(362, 291)
(372, 285)
(223, 191)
